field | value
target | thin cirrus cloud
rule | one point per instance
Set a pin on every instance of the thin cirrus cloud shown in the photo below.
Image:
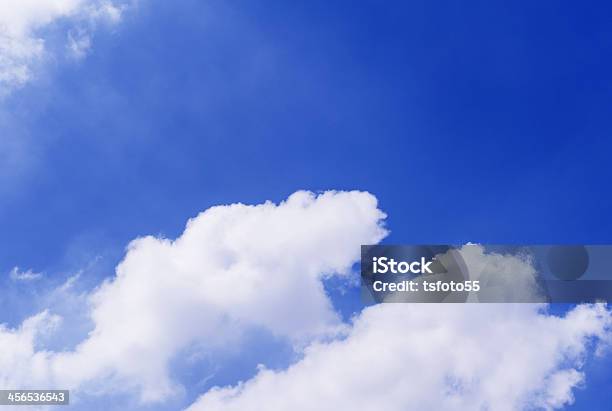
(25, 26)
(17, 274)
(234, 268)
(33, 35)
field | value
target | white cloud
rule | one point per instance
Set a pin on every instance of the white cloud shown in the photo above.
(24, 23)
(79, 43)
(235, 267)
(240, 267)
(432, 357)
(17, 275)
(19, 361)
(503, 277)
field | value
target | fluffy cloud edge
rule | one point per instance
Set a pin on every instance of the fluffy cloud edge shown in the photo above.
(234, 268)
(433, 357)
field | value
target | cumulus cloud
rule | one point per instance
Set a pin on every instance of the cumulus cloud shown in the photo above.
(240, 267)
(234, 268)
(432, 357)
(24, 24)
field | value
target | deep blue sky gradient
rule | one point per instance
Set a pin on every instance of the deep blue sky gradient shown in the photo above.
(485, 121)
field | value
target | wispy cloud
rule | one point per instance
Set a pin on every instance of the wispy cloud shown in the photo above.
(18, 275)
(25, 27)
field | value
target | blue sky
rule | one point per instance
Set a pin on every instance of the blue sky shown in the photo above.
(486, 122)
